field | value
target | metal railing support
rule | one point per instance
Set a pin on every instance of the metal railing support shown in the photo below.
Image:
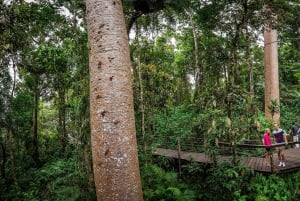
(179, 157)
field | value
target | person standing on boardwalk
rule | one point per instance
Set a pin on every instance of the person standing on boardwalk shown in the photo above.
(280, 137)
(267, 142)
(294, 131)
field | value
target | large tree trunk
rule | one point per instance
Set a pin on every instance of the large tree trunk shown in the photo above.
(271, 72)
(113, 135)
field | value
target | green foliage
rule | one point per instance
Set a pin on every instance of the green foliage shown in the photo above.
(293, 181)
(274, 107)
(55, 181)
(226, 182)
(270, 188)
(165, 162)
(159, 185)
(178, 122)
(193, 168)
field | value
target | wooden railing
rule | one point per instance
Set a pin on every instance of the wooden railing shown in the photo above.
(199, 145)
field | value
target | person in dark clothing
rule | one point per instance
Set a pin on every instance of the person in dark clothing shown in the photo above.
(294, 131)
(280, 137)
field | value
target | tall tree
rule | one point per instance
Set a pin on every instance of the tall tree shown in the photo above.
(271, 68)
(113, 135)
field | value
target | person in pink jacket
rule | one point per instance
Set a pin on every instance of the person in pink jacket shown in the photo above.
(267, 142)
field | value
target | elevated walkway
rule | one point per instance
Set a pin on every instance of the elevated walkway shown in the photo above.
(254, 161)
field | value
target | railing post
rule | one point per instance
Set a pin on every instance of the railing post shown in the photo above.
(167, 141)
(271, 159)
(233, 147)
(192, 144)
(179, 158)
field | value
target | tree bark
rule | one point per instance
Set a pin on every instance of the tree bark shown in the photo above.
(271, 71)
(113, 135)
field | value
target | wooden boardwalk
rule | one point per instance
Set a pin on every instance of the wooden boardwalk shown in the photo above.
(292, 157)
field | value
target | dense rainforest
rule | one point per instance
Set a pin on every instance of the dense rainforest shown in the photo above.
(211, 69)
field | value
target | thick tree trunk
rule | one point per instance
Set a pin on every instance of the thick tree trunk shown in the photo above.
(113, 135)
(271, 71)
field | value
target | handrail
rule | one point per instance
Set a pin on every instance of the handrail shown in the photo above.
(259, 145)
(193, 142)
(190, 143)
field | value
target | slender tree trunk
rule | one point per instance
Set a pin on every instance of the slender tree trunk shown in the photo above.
(271, 71)
(198, 69)
(11, 157)
(88, 166)
(113, 135)
(142, 106)
(4, 157)
(35, 142)
(141, 88)
(251, 81)
(249, 59)
(10, 132)
(62, 120)
(232, 71)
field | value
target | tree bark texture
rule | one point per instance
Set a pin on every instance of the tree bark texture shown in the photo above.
(271, 71)
(113, 135)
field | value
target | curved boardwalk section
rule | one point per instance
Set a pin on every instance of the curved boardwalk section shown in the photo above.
(258, 163)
